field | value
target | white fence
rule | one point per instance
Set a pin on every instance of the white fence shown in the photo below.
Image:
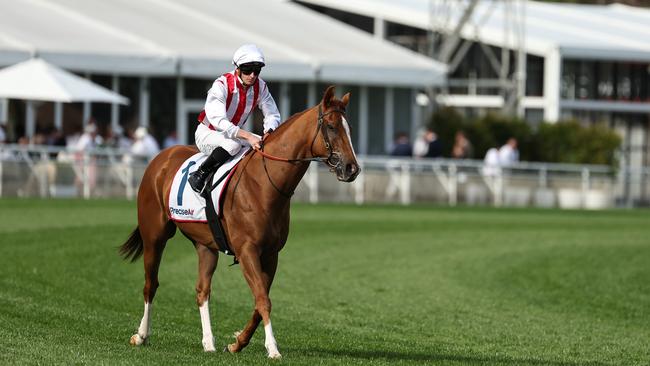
(39, 171)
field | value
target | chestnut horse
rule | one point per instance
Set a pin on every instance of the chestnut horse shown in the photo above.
(255, 212)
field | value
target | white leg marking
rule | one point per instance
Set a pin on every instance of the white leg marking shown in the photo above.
(270, 343)
(208, 338)
(347, 130)
(144, 330)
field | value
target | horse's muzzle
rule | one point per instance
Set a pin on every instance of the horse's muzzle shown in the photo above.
(347, 172)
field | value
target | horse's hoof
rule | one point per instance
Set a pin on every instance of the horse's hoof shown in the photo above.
(231, 348)
(272, 349)
(136, 340)
(208, 345)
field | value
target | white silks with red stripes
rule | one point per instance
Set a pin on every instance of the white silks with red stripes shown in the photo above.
(229, 104)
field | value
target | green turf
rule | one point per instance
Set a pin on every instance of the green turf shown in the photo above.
(355, 285)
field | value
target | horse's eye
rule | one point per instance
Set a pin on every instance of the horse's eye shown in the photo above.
(330, 127)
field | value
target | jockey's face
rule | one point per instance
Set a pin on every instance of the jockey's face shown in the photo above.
(249, 72)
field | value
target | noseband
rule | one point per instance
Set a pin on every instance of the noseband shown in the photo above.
(333, 159)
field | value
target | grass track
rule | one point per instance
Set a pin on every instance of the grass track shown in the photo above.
(355, 285)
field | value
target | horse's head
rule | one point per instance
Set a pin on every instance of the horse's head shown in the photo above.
(336, 136)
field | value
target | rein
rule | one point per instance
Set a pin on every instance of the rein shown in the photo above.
(331, 160)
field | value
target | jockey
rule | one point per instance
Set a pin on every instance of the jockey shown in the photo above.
(230, 101)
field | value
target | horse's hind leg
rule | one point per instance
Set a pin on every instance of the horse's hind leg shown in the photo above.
(207, 264)
(154, 242)
(259, 273)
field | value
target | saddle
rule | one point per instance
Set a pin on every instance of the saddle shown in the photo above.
(186, 205)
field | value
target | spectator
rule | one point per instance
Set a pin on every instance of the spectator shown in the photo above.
(491, 165)
(462, 148)
(402, 146)
(144, 146)
(508, 153)
(427, 145)
(88, 140)
(116, 138)
(85, 165)
(171, 140)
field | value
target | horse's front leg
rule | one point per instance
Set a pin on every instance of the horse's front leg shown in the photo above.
(207, 264)
(259, 273)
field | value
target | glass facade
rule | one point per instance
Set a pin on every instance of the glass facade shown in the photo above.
(605, 80)
(376, 120)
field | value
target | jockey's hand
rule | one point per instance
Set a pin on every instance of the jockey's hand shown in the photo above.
(254, 140)
(251, 138)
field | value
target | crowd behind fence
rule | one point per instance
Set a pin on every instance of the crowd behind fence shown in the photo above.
(42, 171)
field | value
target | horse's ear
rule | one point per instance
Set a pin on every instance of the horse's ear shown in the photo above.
(329, 94)
(346, 99)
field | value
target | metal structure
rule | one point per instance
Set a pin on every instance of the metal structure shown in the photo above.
(456, 24)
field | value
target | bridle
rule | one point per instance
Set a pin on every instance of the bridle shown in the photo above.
(333, 160)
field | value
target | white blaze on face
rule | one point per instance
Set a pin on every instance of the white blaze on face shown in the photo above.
(347, 130)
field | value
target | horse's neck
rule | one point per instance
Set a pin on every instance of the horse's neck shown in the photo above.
(292, 141)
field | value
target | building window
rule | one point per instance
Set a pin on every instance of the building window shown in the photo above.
(586, 80)
(534, 76)
(534, 116)
(624, 82)
(605, 90)
(568, 82)
(376, 120)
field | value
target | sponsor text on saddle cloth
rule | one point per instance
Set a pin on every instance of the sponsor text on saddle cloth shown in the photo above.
(185, 205)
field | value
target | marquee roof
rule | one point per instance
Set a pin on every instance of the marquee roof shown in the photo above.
(616, 32)
(196, 38)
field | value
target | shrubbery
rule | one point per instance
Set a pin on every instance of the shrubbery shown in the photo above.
(562, 142)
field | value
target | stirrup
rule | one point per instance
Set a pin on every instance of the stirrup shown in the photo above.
(201, 179)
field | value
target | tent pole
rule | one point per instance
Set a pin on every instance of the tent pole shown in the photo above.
(58, 115)
(115, 108)
(181, 114)
(30, 121)
(144, 101)
(87, 109)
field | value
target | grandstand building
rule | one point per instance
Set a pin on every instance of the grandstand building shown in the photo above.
(584, 62)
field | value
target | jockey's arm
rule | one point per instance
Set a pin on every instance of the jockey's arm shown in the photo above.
(269, 110)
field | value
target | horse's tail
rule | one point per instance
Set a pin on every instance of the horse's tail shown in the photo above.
(133, 246)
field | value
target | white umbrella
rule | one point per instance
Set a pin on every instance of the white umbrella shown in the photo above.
(37, 80)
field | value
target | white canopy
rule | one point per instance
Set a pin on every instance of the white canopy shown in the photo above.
(36, 79)
(197, 38)
(615, 32)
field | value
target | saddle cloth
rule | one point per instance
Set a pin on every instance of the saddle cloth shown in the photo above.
(186, 205)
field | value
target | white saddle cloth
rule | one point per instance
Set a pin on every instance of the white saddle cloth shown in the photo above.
(185, 205)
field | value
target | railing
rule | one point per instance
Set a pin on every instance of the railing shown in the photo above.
(42, 171)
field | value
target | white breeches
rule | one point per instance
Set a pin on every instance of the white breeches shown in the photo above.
(208, 140)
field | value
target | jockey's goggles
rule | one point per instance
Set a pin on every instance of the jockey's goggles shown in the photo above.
(249, 68)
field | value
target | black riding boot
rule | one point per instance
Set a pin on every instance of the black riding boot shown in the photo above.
(214, 160)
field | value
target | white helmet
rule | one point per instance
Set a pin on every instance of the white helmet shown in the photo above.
(248, 53)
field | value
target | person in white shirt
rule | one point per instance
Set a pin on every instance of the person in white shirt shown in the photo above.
(508, 153)
(145, 146)
(88, 140)
(491, 165)
(230, 101)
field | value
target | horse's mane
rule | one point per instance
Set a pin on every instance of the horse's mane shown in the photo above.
(285, 125)
(289, 121)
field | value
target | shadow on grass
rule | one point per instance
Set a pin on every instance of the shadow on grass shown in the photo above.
(433, 357)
